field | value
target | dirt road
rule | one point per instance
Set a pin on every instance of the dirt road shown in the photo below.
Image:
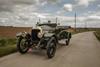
(83, 51)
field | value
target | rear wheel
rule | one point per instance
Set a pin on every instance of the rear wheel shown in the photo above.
(22, 45)
(67, 41)
(51, 49)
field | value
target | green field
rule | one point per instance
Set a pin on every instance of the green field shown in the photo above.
(7, 46)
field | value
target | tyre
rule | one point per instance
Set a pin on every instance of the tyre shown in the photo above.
(51, 49)
(67, 41)
(22, 45)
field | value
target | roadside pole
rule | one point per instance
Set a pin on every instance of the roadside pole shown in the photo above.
(75, 22)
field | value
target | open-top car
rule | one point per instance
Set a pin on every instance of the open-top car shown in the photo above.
(43, 36)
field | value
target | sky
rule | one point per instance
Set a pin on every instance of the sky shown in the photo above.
(26, 13)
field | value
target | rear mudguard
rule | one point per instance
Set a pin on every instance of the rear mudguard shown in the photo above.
(65, 34)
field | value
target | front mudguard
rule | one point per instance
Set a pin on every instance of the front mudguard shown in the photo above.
(25, 35)
(50, 39)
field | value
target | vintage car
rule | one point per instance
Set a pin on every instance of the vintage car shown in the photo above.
(43, 36)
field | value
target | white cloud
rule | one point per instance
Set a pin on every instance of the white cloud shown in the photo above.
(68, 7)
(84, 2)
(61, 12)
(39, 15)
(93, 18)
(89, 12)
(98, 5)
(44, 3)
(64, 9)
(82, 18)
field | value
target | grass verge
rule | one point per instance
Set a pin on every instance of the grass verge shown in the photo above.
(7, 46)
(97, 34)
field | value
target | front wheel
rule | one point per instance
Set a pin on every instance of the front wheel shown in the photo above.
(22, 45)
(51, 49)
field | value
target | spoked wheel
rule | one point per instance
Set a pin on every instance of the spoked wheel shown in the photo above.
(22, 45)
(51, 49)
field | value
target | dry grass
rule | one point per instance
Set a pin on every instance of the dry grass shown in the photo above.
(97, 34)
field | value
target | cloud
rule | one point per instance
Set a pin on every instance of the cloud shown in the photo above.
(81, 19)
(44, 3)
(27, 12)
(68, 7)
(7, 5)
(89, 12)
(84, 2)
(28, 2)
(53, 1)
(93, 18)
(39, 15)
(22, 15)
(64, 9)
(98, 5)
